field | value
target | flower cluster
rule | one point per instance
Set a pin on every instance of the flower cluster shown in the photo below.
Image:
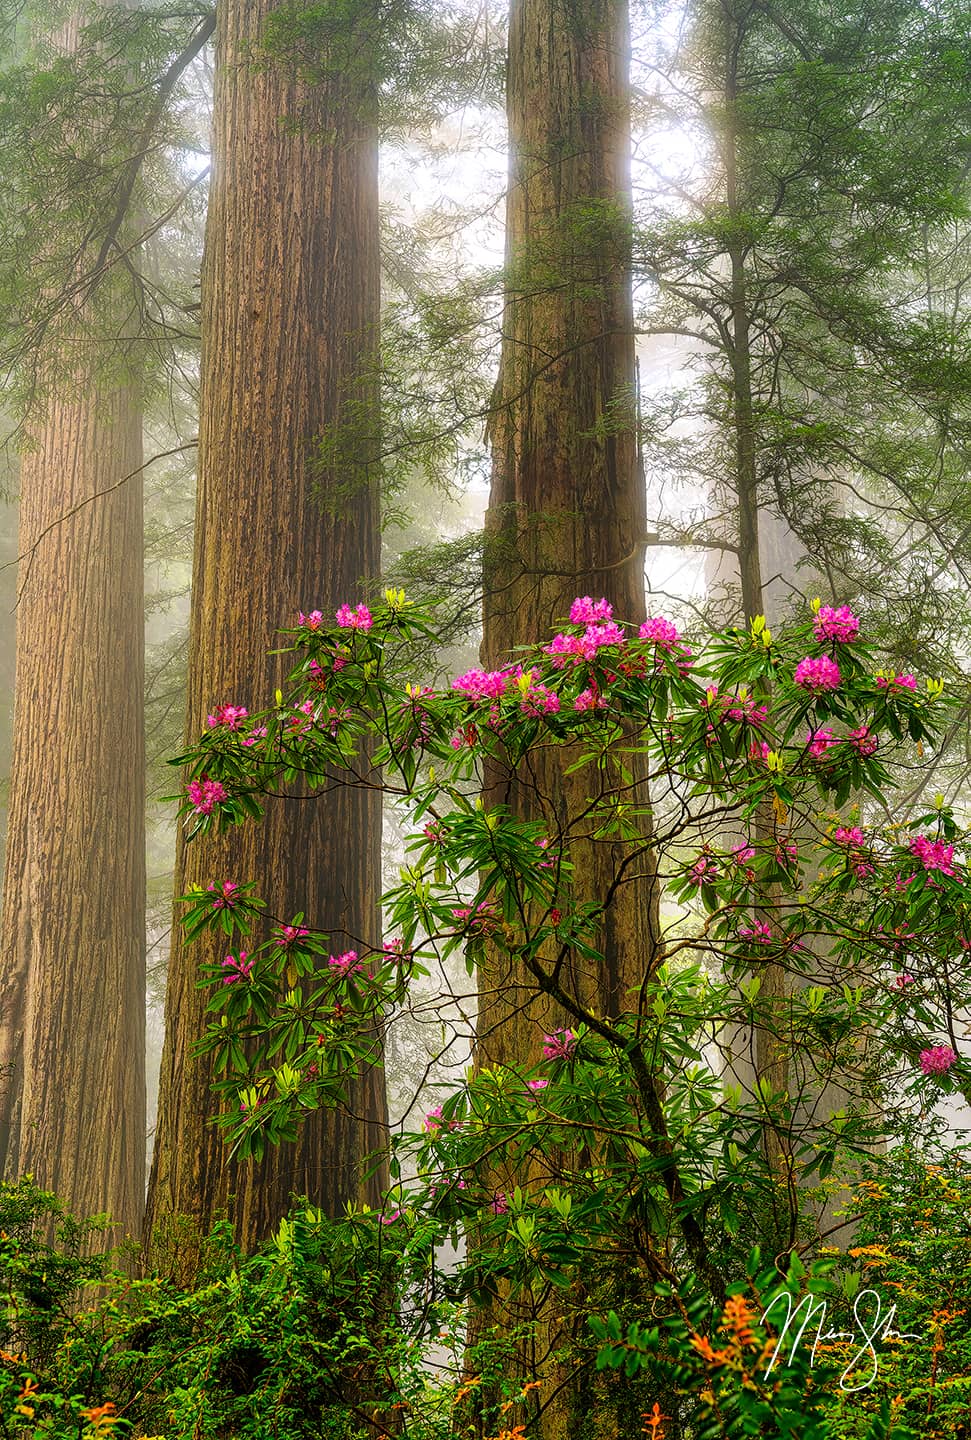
(585, 611)
(289, 935)
(818, 674)
(237, 967)
(357, 619)
(660, 632)
(227, 897)
(230, 717)
(937, 1060)
(760, 932)
(560, 1045)
(933, 854)
(204, 794)
(840, 625)
(819, 741)
(864, 742)
(901, 682)
(346, 964)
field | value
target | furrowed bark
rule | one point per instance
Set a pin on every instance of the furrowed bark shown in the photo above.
(290, 320)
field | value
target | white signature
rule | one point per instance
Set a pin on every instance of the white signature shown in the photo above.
(880, 1327)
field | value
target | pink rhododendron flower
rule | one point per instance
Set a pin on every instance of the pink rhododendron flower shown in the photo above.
(560, 1045)
(585, 646)
(851, 836)
(902, 981)
(483, 919)
(662, 632)
(933, 854)
(703, 871)
(819, 741)
(290, 934)
(238, 967)
(902, 682)
(743, 852)
(535, 1086)
(483, 684)
(357, 619)
(590, 699)
(390, 1219)
(346, 964)
(499, 1204)
(864, 741)
(467, 738)
(313, 621)
(227, 898)
(841, 625)
(255, 736)
(818, 674)
(937, 1060)
(229, 716)
(760, 932)
(585, 611)
(434, 1122)
(204, 794)
(395, 952)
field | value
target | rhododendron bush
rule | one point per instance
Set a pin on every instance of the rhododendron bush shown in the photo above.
(749, 779)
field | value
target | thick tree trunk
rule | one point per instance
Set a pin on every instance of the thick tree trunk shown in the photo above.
(567, 506)
(72, 933)
(72, 982)
(290, 320)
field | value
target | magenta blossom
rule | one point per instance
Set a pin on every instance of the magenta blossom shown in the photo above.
(760, 933)
(590, 699)
(585, 611)
(902, 981)
(204, 794)
(289, 934)
(345, 964)
(662, 632)
(229, 896)
(534, 1087)
(743, 852)
(238, 967)
(560, 1045)
(483, 684)
(864, 741)
(818, 674)
(902, 682)
(703, 871)
(937, 1060)
(933, 854)
(851, 836)
(840, 625)
(229, 716)
(819, 741)
(356, 619)
(313, 621)
(499, 1204)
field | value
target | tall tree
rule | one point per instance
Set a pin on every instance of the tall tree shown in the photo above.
(284, 522)
(566, 511)
(72, 954)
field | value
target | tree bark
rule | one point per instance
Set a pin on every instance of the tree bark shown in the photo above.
(290, 318)
(567, 508)
(72, 954)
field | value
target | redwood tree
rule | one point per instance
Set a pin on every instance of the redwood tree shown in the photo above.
(286, 521)
(566, 512)
(72, 950)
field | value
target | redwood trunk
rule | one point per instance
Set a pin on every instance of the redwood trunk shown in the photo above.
(567, 505)
(72, 933)
(72, 993)
(290, 320)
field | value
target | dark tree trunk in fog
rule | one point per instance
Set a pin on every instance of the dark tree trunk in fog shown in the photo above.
(72, 992)
(72, 935)
(567, 506)
(290, 319)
